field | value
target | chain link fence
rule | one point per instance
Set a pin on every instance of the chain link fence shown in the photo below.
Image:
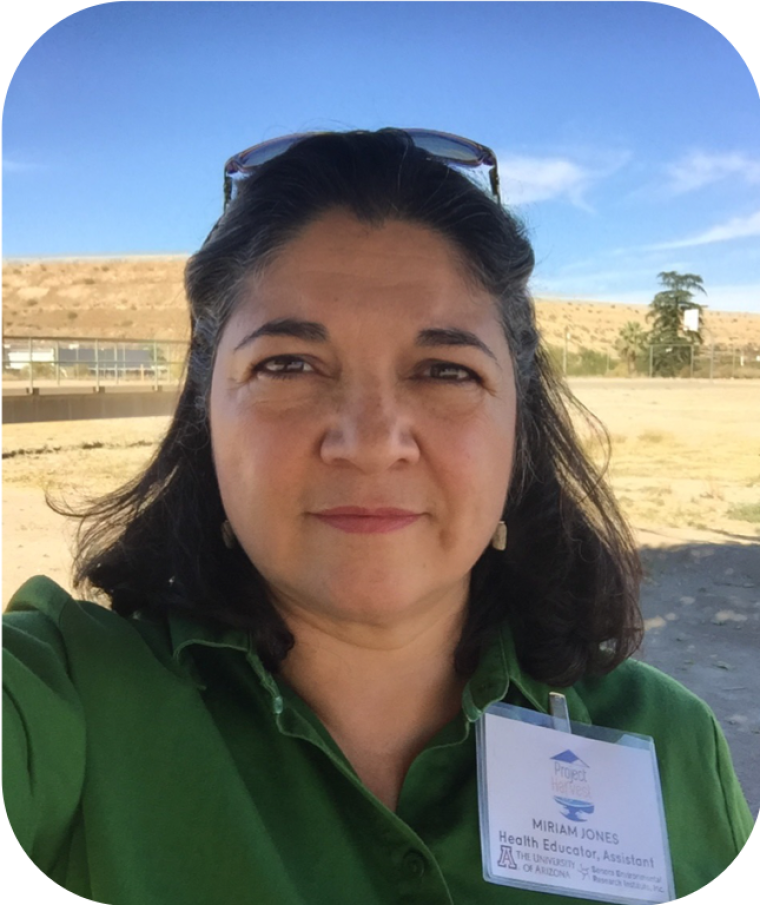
(78, 362)
(73, 362)
(680, 360)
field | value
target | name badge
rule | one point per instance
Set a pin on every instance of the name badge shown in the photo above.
(575, 812)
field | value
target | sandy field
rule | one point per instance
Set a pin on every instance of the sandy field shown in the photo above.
(685, 463)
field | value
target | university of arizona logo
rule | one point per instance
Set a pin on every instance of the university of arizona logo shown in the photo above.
(570, 786)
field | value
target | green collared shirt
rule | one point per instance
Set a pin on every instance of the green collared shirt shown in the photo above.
(160, 764)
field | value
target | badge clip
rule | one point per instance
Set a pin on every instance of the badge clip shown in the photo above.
(559, 712)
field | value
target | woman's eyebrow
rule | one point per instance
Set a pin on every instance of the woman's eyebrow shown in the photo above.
(452, 336)
(311, 331)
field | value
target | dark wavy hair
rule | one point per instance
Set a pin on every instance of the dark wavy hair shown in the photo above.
(569, 578)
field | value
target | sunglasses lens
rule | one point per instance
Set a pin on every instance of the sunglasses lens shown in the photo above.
(452, 147)
(260, 154)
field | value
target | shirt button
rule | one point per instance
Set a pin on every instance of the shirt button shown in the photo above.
(414, 865)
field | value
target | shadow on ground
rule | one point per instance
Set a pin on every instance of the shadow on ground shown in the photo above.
(701, 605)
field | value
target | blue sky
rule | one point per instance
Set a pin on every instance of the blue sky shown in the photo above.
(628, 134)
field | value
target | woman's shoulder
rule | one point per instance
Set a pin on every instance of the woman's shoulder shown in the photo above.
(44, 609)
(640, 698)
(43, 620)
(41, 600)
(42, 613)
(691, 748)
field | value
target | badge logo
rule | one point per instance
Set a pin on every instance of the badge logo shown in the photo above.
(571, 787)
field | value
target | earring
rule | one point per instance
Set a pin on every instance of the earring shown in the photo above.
(228, 535)
(499, 539)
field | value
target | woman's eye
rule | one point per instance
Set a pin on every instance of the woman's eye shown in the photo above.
(283, 366)
(451, 373)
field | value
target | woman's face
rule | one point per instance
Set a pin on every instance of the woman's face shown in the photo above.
(362, 415)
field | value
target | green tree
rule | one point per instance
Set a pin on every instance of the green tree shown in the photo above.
(631, 342)
(671, 342)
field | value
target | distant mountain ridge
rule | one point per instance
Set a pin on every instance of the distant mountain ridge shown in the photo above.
(143, 297)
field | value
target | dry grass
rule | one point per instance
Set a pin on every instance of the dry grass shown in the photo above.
(683, 454)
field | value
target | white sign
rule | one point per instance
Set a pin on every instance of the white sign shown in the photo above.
(691, 319)
(562, 812)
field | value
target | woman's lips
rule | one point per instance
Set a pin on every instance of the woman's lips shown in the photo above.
(357, 520)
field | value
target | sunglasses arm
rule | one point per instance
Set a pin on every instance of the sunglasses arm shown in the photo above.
(494, 174)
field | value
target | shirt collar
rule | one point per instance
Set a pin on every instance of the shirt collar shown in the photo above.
(498, 672)
(185, 632)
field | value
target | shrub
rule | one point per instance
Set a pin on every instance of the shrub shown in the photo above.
(591, 362)
(746, 512)
(40, 370)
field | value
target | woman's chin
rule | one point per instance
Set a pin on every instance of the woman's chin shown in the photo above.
(380, 601)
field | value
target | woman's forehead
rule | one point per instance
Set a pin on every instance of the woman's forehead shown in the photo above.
(339, 242)
(338, 266)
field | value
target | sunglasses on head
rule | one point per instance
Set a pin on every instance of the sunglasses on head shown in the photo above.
(453, 150)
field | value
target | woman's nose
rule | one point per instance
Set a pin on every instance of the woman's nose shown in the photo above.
(371, 430)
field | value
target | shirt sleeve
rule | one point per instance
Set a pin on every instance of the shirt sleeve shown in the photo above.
(43, 736)
(738, 813)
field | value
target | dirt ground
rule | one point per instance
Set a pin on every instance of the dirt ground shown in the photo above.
(685, 465)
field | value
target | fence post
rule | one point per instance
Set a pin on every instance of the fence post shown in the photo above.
(97, 365)
(31, 365)
(712, 357)
(58, 362)
(155, 365)
(651, 360)
(691, 361)
(564, 353)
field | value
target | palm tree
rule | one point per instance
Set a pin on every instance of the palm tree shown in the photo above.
(631, 342)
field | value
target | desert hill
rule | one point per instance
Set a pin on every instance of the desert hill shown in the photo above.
(144, 298)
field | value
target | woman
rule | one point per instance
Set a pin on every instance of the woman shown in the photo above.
(369, 520)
